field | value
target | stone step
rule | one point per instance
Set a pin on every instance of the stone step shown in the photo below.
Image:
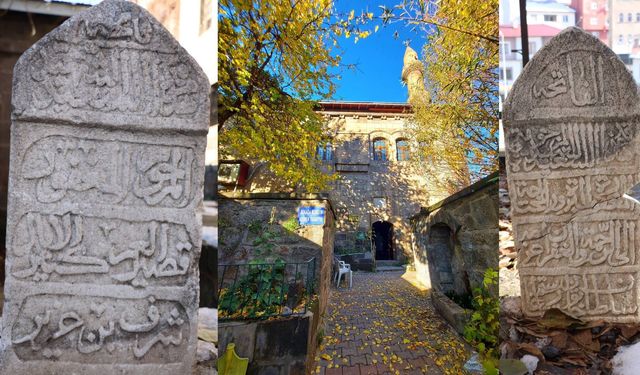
(387, 263)
(383, 268)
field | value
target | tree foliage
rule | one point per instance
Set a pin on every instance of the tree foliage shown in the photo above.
(457, 121)
(275, 60)
(483, 328)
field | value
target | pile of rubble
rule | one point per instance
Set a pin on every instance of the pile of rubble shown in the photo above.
(509, 280)
(207, 350)
(561, 344)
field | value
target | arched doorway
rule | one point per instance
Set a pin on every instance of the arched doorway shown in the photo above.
(439, 252)
(382, 237)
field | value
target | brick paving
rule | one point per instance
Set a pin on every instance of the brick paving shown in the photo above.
(386, 325)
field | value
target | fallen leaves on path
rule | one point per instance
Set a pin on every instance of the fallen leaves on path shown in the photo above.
(563, 344)
(387, 323)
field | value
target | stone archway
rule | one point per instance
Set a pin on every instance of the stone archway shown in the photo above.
(382, 238)
(439, 254)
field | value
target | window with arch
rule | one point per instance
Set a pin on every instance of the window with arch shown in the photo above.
(380, 149)
(324, 151)
(402, 150)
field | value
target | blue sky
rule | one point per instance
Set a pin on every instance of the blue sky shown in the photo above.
(378, 58)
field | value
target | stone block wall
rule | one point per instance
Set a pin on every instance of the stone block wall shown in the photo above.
(367, 190)
(274, 347)
(240, 216)
(456, 240)
(360, 261)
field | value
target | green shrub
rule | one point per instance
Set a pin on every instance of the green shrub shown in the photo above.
(255, 226)
(291, 224)
(320, 336)
(483, 328)
(262, 287)
(259, 293)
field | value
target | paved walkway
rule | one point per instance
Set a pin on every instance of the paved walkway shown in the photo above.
(386, 325)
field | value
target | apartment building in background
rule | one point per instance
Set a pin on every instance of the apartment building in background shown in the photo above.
(545, 20)
(624, 36)
(593, 17)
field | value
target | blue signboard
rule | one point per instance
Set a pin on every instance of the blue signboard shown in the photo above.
(311, 215)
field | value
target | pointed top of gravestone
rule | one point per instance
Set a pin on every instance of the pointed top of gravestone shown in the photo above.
(108, 138)
(112, 65)
(574, 76)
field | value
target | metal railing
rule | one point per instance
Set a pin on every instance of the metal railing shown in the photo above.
(262, 290)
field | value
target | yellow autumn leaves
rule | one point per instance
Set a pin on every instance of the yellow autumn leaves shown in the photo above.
(390, 324)
(458, 124)
(273, 62)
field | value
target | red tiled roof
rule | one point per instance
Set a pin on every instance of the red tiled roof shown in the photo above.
(365, 107)
(534, 30)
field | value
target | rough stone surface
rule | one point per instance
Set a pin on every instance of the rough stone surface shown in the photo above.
(17, 36)
(108, 133)
(570, 127)
(245, 217)
(283, 346)
(455, 243)
(455, 315)
(509, 284)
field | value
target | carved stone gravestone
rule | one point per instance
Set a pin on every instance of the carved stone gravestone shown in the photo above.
(572, 153)
(108, 134)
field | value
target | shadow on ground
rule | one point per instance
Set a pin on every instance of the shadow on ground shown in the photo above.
(386, 324)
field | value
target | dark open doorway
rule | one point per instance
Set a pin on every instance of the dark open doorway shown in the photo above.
(382, 237)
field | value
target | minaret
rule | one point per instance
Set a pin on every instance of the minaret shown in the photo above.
(413, 75)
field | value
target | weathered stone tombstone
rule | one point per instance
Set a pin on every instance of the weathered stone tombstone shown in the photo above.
(108, 135)
(572, 153)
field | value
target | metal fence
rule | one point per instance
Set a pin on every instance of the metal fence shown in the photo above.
(262, 290)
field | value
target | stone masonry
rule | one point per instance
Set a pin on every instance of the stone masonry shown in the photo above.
(454, 240)
(285, 344)
(373, 195)
(240, 214)
(572, 154)
(108, 134)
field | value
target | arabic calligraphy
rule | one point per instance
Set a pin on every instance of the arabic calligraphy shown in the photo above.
(558, 86)
(584, 81)
(81, 248)
(67, 327)
(579, 243)
(570, 145)
(127, 27)
(108, 172)
(117, 66)
(593, 295)
(561, 195)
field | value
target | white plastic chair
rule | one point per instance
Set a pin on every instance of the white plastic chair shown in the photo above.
(342, 268)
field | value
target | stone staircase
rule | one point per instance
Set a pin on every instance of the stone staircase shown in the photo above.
(389, 265)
